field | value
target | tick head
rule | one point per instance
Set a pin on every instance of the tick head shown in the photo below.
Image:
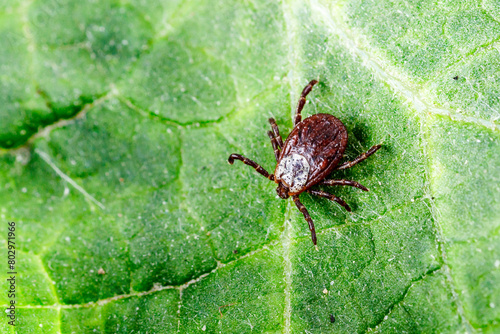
(282, 191)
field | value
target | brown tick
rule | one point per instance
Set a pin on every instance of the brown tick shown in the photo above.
(311, 152)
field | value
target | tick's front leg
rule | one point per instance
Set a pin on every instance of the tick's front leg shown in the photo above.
(303, 209)
(275, 145)
(302, 101)
(249, 162)
(276, 132)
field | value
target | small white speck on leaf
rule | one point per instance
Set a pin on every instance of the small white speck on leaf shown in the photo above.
(204, 328)
(325, 291)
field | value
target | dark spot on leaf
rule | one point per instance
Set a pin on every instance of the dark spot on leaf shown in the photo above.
(332, 318)
(455, 77)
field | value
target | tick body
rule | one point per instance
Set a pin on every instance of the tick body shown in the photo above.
(311, 152)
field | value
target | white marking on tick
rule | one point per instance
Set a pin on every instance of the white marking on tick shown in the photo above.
(293, 171)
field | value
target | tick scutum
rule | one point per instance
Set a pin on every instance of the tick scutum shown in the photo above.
(320, 140)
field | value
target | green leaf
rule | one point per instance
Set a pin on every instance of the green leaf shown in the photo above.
(116, 122)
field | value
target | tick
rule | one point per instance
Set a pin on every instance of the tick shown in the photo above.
(311, 152)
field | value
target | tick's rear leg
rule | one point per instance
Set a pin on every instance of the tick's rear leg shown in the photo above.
(249, 162)
(303, 209)
(344, 183)
(330, 197)
(275, 145)
(276, 132)
(302, 101)
(349, 164)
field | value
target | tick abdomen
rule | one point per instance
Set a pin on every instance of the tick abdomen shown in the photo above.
(293, 171)
(320, 140)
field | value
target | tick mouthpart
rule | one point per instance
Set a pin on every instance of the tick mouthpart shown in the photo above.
(282, 191)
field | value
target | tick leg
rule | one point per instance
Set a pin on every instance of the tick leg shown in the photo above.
(275, 145)
(276, 132)
(303, 209)
(344, 183)
(330, 197)
(302, 101)
(349, 164)
(249, 162)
